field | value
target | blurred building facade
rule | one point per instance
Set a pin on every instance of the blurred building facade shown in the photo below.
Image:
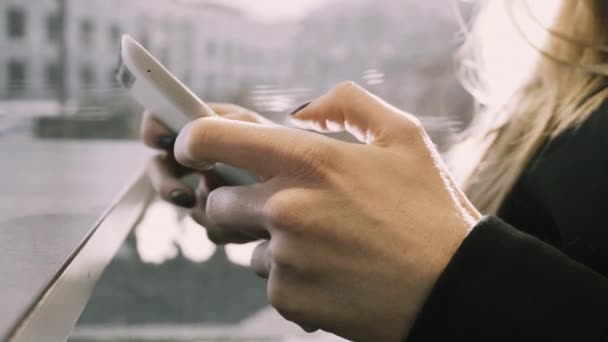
(402, 50)
(67, 49)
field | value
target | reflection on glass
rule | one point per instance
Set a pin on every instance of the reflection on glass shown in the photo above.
(165, 231)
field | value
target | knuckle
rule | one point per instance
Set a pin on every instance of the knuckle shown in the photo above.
(318, 158)
(276, 294)
(282, 257)
(412, 128)
(413, 124)
(283, 210)
(281, 298)
(343, 94)
(345, 88)
(279, 210)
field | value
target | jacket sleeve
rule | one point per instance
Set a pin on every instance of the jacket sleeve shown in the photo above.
(503, 285)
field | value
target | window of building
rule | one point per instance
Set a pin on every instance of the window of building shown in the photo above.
(16, 23)
(53, 28)
(87, 76)
(87, 31)
(115, 34)
(53, 76)
(17, 77)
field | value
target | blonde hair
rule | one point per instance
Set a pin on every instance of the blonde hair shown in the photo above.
(535, 72)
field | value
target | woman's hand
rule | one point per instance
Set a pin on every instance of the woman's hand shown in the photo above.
(166, 174)
(359, 233)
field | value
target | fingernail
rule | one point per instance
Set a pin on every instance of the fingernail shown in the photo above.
(302, 106)
(167, 142)
(183, 199)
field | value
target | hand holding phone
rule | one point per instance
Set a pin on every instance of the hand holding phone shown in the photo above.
(173, 103)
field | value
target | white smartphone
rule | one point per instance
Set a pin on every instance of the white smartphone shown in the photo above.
(155, 88)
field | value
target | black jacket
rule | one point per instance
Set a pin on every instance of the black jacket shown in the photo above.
(545, 280)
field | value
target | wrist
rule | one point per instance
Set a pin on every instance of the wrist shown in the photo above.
(435, 260)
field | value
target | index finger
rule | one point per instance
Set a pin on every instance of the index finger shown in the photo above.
(263, 150)
(364, 115)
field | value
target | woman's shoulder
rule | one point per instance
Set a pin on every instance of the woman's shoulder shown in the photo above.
(588, 138)
(569, 181)
(564, 173)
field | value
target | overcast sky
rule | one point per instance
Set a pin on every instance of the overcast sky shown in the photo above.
(278, 9)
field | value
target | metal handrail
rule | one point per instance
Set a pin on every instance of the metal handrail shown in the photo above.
(55, 314)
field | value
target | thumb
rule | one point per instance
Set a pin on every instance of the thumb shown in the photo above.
(367, 117)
